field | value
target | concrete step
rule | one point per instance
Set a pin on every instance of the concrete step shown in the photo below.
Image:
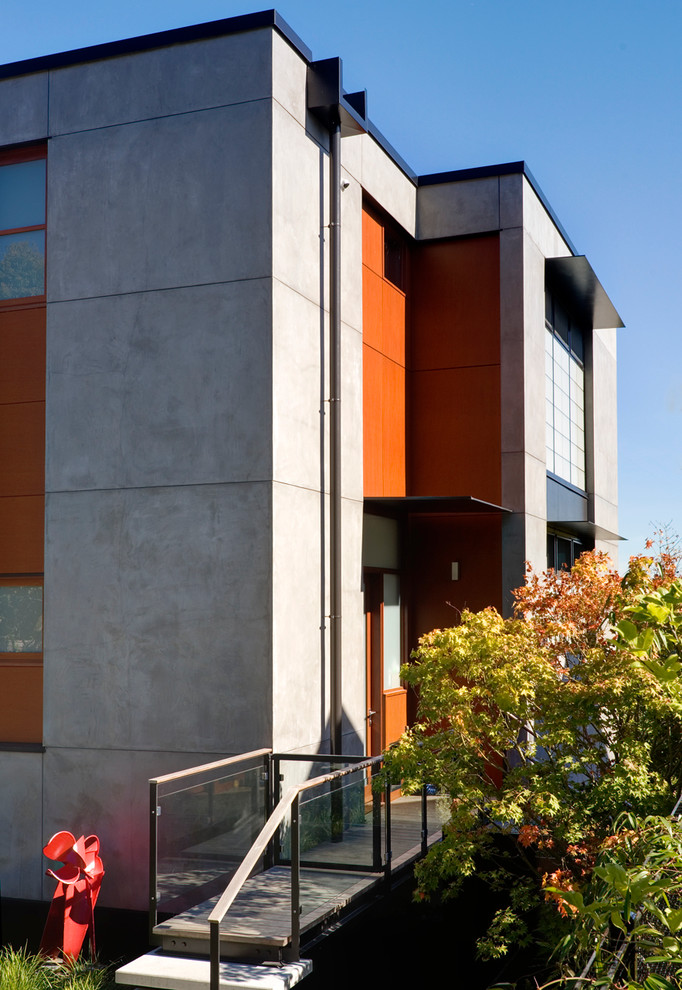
(162, 971)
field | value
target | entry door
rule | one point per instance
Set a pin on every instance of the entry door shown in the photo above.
(386, 698)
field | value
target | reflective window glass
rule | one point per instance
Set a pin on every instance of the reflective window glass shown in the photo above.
(21, 619)
(391, 631)
(22, 195)
(22, 264)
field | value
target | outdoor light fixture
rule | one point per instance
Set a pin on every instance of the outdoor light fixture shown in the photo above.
(455, 570)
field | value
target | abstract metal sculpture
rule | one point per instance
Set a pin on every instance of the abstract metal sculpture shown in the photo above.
(71, 914)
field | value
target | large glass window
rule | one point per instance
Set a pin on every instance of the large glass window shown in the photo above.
(22, 228)
(565, 394)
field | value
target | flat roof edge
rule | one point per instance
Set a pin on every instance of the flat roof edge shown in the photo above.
(491, 171)
(159, 39)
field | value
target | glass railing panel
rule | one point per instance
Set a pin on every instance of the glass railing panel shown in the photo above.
(294, 770)
(205, 827)
(337, 825)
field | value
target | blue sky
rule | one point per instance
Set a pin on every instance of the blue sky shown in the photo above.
(588, 92)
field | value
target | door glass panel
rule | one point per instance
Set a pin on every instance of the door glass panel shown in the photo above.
(391, 631)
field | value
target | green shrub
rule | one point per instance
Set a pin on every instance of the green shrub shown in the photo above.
(20, 970)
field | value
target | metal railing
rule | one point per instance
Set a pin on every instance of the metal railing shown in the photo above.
(290, 802)
(214, 826)
(198, 849)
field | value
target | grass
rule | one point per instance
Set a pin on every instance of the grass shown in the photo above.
(20, 970)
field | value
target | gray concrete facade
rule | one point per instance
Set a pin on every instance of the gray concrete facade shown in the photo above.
(187, 557)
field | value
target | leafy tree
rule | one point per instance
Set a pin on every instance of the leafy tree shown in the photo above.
(541, 729)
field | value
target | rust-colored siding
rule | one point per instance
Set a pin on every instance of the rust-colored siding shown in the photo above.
(22, 501)
(454, 380)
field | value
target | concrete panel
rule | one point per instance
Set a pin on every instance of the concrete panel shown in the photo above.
(351, 249)
(289, 77)
(454, 208)
(157, 619)
(300, 177)
(605, 412)
(23, 109)
(107, 792)
(160, 388)
(534, 354)
(536, 544)
(511, 189)
(299, 389)
(22, 836)
(388, 185)
(176, 201)
(512, 331)
(351, 414)
(606, 515)
(535, 476)
(513, 557)
(178, 79)
(351, 155)
(300, 602)
(354, 665)
(513, 480)
(540, 226)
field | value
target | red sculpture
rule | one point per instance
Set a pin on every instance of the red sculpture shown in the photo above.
(71, 914)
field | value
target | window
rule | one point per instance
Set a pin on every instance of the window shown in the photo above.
(564, 550)
(22, 225)
(21, 619)
(565, 394)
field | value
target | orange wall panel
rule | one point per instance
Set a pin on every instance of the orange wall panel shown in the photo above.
(455, 303)
(372, 309)
(455, 433)
(373, 399)
(393, 323)
(22, 355)
(384, 382)
(393, 428)
(21, 712)
(22, 449)
(475, 542)
(394, 715)
(372, 243)
(21, 534)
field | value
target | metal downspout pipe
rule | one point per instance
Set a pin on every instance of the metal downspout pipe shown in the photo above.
(341, 114)
(336, 589)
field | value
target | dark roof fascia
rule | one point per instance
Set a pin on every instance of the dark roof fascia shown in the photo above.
(160, 39)
(490, 171)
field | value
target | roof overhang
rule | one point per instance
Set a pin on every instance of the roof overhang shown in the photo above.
(587, 529)
(575, 279)
(423, 505)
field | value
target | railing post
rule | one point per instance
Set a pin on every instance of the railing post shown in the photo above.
(214, 929)
(389, 851)
(376, 823)
(295, 879)
(425, 824)
(153, 854)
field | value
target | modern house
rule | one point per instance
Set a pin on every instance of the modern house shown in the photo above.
(272, 406)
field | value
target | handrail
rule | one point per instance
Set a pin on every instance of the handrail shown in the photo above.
(257, 850)
(193, 771)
